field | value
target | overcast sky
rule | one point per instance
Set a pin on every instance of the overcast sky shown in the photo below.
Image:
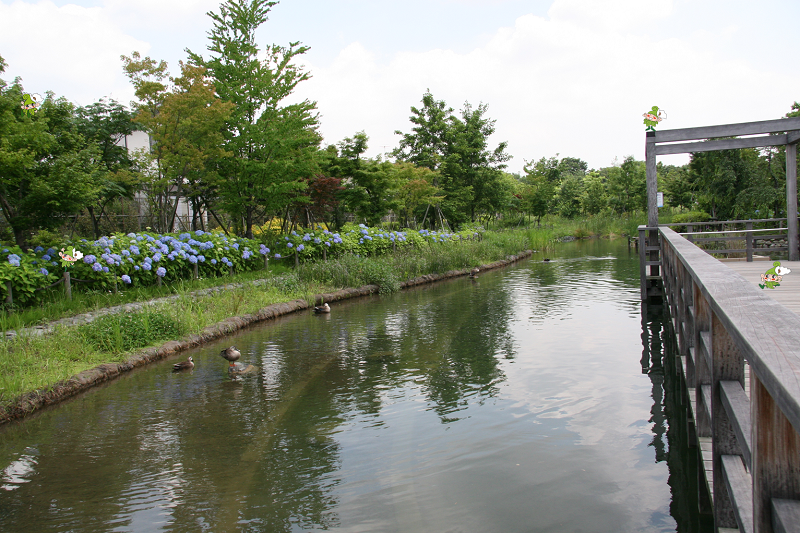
(571, 77)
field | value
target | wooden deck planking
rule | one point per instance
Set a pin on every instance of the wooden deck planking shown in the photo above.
(787, 293)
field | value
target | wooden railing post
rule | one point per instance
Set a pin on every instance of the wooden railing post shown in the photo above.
(749, 241)
(702, 384)
(643, 262)
(67, 285)
(727, 365)
(776, 455)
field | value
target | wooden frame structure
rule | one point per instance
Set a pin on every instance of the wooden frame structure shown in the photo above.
(669, 142)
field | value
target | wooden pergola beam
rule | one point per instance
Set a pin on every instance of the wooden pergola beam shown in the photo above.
(723, 144)
(729, 130)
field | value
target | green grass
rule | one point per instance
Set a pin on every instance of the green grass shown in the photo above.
(55, 306)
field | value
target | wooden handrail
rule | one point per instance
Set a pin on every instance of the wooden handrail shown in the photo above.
(722, 320)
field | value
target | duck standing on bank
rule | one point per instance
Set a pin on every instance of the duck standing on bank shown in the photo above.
(183, 365)
(324, 308)
(474, 272)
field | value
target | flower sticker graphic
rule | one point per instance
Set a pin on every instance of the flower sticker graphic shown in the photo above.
(653, 117)
(773, 276)
(69, 257)
(30, 102)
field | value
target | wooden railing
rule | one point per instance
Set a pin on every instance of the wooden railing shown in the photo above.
(726, 330)
(706, 233)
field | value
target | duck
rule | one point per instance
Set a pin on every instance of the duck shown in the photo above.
(231, 355)
(183, 365)
(474, 272)
(546, 259)
(324, 308)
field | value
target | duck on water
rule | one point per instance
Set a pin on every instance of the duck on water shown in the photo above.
(232, 355)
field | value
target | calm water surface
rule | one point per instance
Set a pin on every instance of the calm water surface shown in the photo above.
(530, 399)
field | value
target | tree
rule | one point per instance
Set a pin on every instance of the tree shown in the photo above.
(370, 184)
(541, 180)
(416, 189)
(471, 168)
(47, 169)
(627, 186)
(106, 124)
(678, 187)
(427, 145)
(594, 198)
(719, 177)
(273, 144)
(570, 192)
(185, 121)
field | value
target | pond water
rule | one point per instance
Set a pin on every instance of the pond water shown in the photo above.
(534, 398)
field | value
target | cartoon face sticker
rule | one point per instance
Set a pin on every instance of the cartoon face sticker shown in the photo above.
(653, 117)
(773, 276)
(69, 256)
(30, 102)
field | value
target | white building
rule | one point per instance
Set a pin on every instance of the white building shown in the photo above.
(140, 140)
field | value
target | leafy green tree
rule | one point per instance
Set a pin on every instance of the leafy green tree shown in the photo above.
(370, 185)
(427, 144)
(186, 121)
(572, 165)
(627, 186)
(106, 124)
(541, 181)
(719, 177)
(47, 169)
(677, 185)
(273, 143)
(570, 192)
(594, 198)
(471, 167)
(416, 190)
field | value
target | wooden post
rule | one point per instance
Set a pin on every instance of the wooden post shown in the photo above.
(749, 241)
(67, 285)
(791, 200)
(642, 263)
(702, 377)
(652, 180)
(9, 296)
(159, 280)
(727, 365)
(776, 455)
(196, 273)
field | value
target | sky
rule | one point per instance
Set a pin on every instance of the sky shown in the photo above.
(566, 77)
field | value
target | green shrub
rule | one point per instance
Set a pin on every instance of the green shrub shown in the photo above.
(689, 216)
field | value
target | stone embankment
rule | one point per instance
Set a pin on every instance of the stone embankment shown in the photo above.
(33, 401)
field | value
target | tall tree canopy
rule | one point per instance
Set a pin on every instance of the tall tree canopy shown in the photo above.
(47, 168)
(457, 147)
(273, 143)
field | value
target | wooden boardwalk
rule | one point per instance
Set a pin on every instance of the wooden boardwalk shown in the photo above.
(788, 293)
(739, 353)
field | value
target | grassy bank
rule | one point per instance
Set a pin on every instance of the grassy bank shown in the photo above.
(29, 363)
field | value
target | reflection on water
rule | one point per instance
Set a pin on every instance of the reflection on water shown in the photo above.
(519, 401)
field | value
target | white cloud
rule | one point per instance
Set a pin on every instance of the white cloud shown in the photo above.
(71, 50)
(575, 84)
